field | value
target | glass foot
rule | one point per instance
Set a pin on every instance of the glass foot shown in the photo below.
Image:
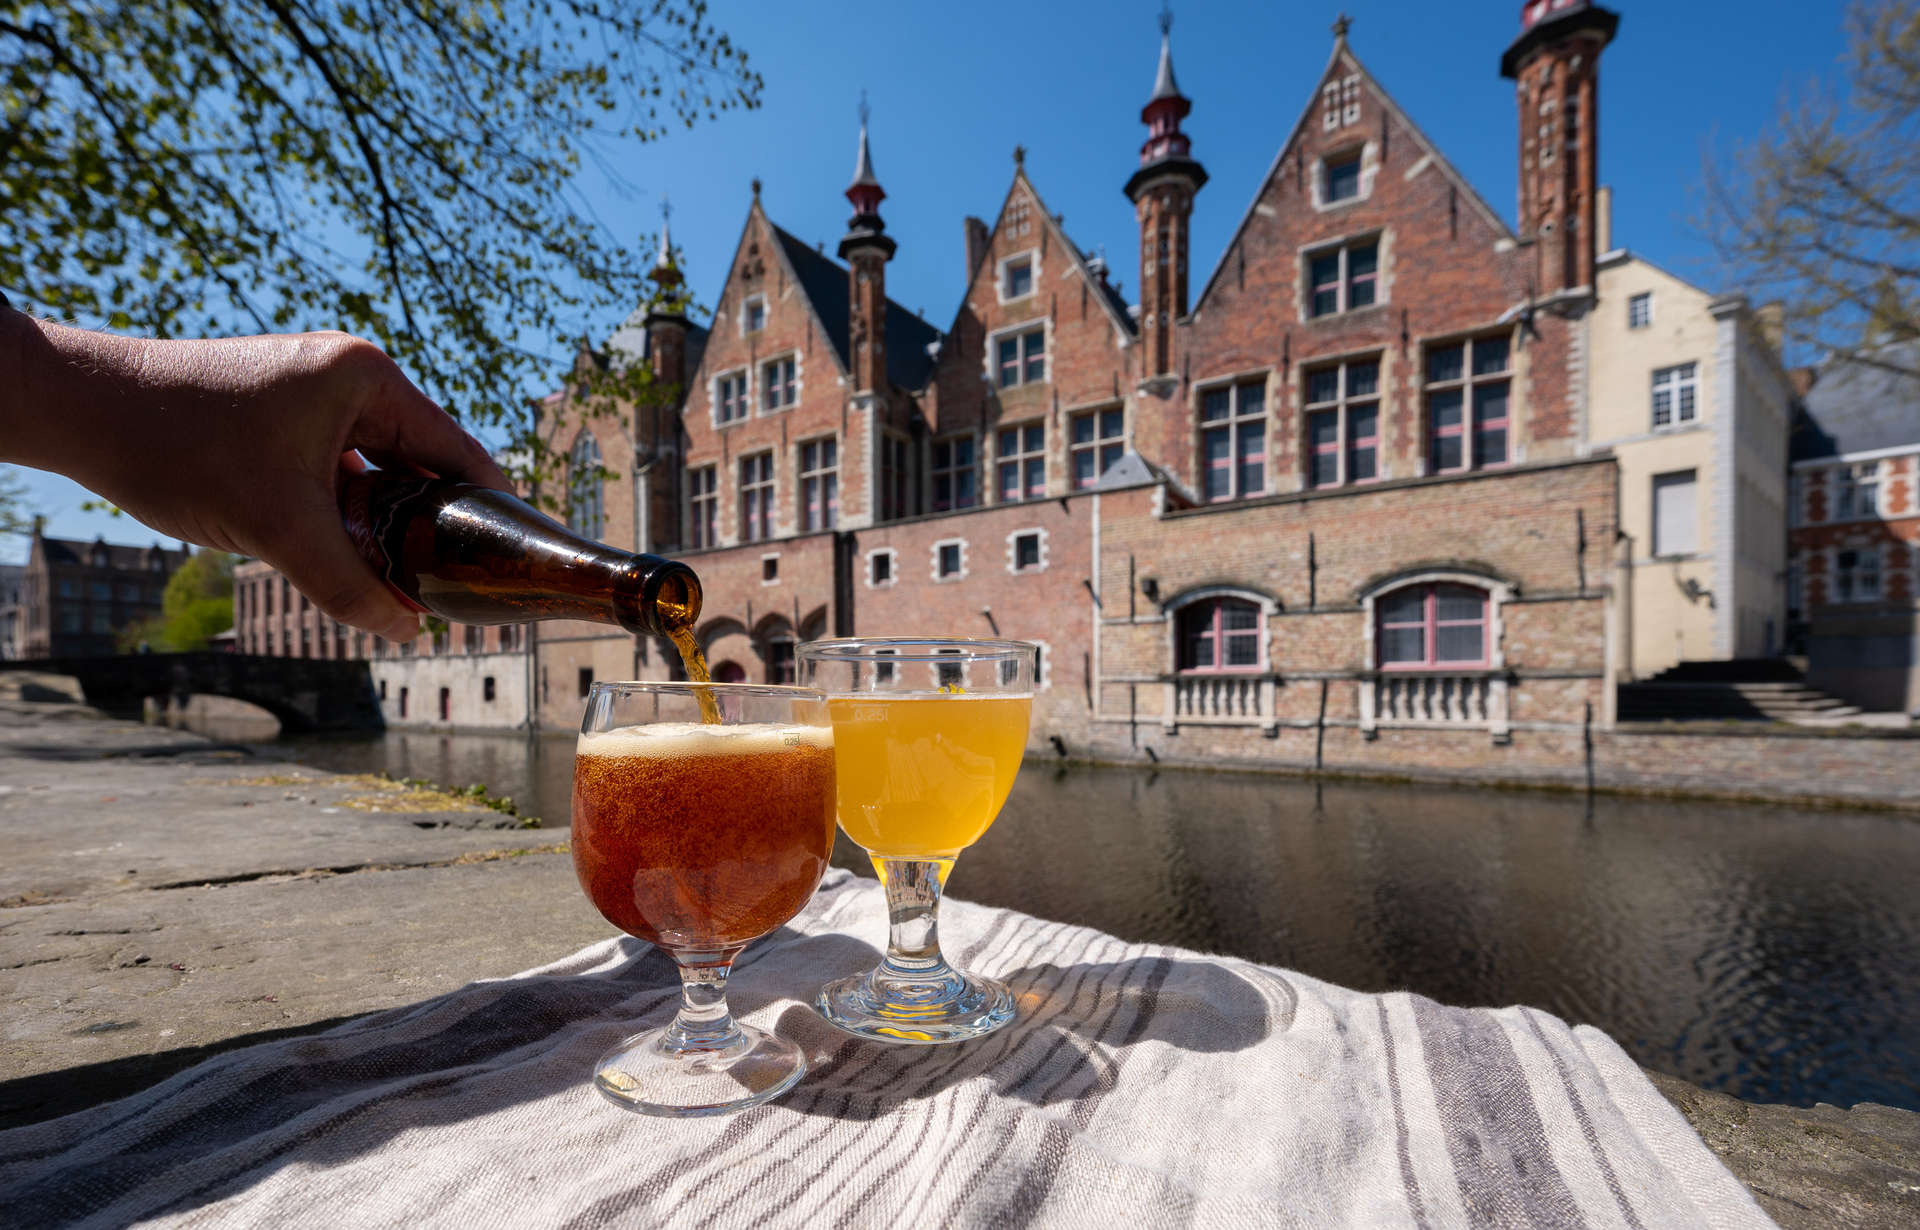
(947, 1007)
(643, 1075)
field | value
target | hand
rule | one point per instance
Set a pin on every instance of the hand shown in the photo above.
(237, 444)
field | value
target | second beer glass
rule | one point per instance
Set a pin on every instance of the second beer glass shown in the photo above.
(928, 736)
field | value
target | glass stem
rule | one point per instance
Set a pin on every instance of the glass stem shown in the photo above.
(704, 1023)
(913, 909)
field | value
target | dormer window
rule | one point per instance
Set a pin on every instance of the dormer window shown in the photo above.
(1342, 177)
(753, 316)
(1016, 278)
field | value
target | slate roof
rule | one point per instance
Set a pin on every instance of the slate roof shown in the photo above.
(628, 343)
(1857, 407)
(80, 551)
(824, 281)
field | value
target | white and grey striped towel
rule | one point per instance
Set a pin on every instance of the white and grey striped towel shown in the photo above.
(1141, 1085)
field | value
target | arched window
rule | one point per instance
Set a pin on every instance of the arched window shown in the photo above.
(586, 493)
(1220, 634)
(1438, 625)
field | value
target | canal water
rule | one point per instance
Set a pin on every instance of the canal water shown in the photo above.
(1769, 952)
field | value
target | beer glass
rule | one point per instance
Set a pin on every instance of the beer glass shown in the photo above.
(700, 837)
(928, 735)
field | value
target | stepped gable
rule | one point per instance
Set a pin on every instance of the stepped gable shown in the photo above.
(1343, 62)
(824, 281)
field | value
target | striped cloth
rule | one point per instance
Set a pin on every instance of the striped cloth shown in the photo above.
(1141, 1086)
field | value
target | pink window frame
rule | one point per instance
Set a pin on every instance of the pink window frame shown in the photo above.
(780, 376)
(1097, 444)
(1352, 280)
(1321, 450)
(1316, 289)
(705, 498)
(1355, 443)
(1217, 632)
(1236, 421)
(1429, 625)
(1029, 465)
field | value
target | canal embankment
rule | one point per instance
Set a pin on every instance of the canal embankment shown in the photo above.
(167, 896)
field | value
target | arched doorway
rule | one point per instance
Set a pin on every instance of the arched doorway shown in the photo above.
(729, 672)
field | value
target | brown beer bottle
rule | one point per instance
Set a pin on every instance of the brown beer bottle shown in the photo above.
(480, 556)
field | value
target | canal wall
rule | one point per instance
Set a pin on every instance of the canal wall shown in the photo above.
(1853, 767)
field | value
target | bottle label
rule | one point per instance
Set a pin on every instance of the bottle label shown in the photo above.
(371, 523)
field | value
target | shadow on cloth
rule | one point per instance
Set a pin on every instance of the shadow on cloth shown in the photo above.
(324, 1100)
(1076, 1027)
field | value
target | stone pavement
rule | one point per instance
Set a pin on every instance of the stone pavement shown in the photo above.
(164, 898)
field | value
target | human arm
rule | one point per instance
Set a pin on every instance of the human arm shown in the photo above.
(237, 444)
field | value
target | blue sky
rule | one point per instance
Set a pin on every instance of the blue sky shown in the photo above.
(955, 87)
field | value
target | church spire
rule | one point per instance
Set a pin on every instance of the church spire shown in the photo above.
(665, 271)
(865, 191)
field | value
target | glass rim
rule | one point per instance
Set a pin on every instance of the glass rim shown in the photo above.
(902, 649)
(687, 686)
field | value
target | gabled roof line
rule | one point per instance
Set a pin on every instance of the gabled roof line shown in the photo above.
(813, 311)
(1340, 48)
(1120, 320)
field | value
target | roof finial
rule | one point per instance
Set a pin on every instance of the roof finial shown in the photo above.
(865, 110)
(756, 187)
(865, 191)
(1019, 155)
(1341, 25)
(1166, 18)
(665, 260)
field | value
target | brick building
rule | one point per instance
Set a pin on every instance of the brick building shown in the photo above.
(1854, 503)
(1333, 500)
(1336, 501)
(76, 596)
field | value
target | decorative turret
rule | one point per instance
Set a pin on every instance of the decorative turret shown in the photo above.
(1162, 192)
(1556, 61)
(666, 321)
(866, 248)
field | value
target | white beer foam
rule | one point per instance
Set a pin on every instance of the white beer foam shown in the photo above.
(679, 739)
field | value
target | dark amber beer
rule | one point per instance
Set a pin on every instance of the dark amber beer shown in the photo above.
(700, 837)
(480, 556)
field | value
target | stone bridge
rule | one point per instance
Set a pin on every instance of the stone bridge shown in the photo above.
(306, 694)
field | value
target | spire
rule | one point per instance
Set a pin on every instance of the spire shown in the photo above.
(865, 229)
(1167, 107)
(865, 191)
(665, 271)
(1164, 85)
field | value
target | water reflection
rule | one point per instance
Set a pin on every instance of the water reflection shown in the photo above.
(1768, 952)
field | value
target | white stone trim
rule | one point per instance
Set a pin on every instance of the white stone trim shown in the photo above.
(933, 565)
(1000, 276)
(1013, 554)
(1043, 677)
(775, 557)
(893, 568)
(1369, 155)
(1872, 454)
(713, 396)
(760, 366)
(991, 365)
(760, 298)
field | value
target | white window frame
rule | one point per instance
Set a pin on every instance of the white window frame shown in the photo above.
(1856, 478)
(590, 517)
(745, 376)
(893, 567)
(746, 313)
(1342, 408)
(799, 385)
(1044, 325)
(1095, 446)
(933, 567)
(1654, 544)
(764, 579)
(1013, 553)
(1644, 297)
(1202, 425)
(1032, 256)
(1672, 386)
(1861, 553)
